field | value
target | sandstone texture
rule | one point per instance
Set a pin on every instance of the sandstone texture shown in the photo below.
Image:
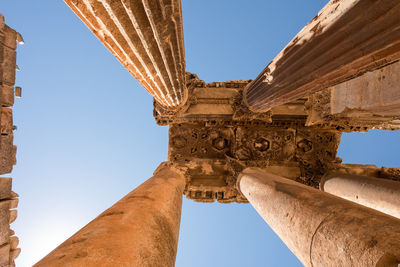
(319, 228)
(379, 194)
(8, 199)
(267, 141)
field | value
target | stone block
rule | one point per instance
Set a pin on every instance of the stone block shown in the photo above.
(4, 222)
(14, 241)
(13, 203)
(7, 153)
(14, 253)
(5, 255)
(338, 99)
(10, 37)
(371, 91)
(13, 215)
(376, 92)
(6, 120)
(18, 91)
(390, 80)
(8, 65)
(5, 188)
(2, 23)
(6, 95)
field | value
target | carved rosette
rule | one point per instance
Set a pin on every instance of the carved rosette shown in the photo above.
(213, 156)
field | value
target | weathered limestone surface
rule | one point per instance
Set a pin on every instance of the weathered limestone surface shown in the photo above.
(5, 188)
(371, 100)
(8, 242)
(8, 200)
(146, 36)
(377, 92)
(8, 45)
(319, 228)
(379, 194)
(345, 39)
(139, 230)
(213, 156)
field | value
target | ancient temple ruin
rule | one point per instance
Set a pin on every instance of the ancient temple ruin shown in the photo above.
(8, 199)
(270, 142)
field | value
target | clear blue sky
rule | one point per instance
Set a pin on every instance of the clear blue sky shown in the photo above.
(86, 135)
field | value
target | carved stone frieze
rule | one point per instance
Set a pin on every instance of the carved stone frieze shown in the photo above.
(200, 142)
(269, 144)
(213, 156)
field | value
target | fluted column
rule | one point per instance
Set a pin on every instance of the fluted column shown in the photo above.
(319, 228)
(141, 229)
(379, 194)
(146, 36)
(345, 39)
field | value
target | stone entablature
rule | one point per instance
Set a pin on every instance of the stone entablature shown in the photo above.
(214, 137)
(370, 101)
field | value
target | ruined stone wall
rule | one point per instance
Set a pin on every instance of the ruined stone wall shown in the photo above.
(8, 214)
(8, 199)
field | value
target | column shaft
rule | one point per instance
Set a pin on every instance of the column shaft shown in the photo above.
(146, 36)
(319, 228)
(346, 38)
(139, 230)
(379, 194)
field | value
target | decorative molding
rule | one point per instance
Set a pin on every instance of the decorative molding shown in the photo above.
(213, 156)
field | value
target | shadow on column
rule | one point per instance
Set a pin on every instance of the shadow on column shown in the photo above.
(319, 228)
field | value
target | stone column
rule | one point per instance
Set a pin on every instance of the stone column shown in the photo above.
(319, 228)
(146, 36)
(139, 230)
(379, 194)
(346, 38)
